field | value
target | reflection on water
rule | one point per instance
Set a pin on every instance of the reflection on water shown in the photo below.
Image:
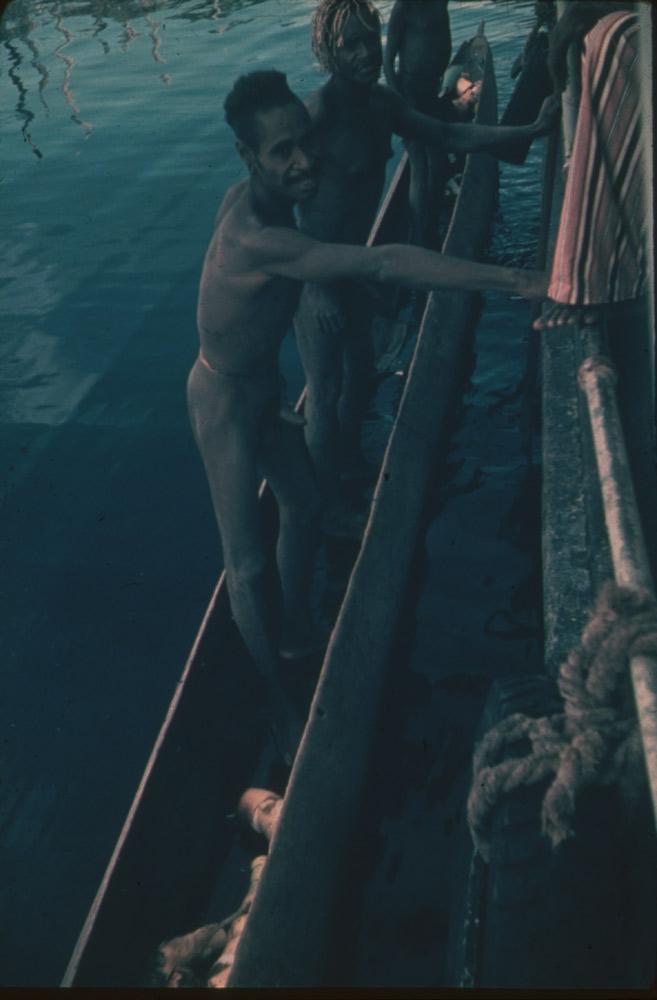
(101, 247)
(100, 24)
(25, 20)
(22, 109)
(17, 16)
(69, 63)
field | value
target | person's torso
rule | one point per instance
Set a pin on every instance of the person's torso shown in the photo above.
(355, 146)
(243, 313)
(425, 48)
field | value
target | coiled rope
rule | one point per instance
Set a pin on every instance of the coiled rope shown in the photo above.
(595, 740)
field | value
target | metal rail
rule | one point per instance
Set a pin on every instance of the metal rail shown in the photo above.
(597, 379)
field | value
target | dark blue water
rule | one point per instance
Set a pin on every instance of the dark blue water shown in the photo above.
(114, 158)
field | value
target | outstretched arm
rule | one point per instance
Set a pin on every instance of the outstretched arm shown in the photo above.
(470, 137)
(393, 42)
(416, 267)
(290, 254)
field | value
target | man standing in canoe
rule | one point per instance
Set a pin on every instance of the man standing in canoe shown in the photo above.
(355, 118)
(252, 275)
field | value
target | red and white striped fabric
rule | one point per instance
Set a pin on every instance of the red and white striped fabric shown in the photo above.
(600, 252)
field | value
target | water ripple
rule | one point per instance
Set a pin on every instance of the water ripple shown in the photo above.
(22, 109)
(69, 63)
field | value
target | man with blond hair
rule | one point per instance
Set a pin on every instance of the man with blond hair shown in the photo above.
(355, 118)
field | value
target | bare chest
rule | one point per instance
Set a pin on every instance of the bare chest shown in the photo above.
(358, 143)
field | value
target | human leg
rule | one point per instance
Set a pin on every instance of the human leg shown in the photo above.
(358, 371)
(321, 352)
(226, 433)
(288, 468)
(418, 195)
(226, 420)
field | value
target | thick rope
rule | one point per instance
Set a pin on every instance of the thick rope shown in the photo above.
(595, 740)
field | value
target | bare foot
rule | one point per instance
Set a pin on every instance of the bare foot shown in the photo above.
(555, 314)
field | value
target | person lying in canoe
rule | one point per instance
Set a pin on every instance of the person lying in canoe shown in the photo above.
(356, 118)
(252, 276)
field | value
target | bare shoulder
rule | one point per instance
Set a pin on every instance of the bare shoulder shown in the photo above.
(317, 105)
(271, 244)
(231, 197)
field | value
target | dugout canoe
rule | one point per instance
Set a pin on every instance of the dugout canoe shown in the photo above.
(177, 843)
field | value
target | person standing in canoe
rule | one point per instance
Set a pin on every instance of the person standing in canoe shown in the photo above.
(419, 36)
(355, 118)
(253, 272)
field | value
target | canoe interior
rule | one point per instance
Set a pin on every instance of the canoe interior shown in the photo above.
(206, 753)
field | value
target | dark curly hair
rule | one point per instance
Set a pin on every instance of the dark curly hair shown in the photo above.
(252, 93)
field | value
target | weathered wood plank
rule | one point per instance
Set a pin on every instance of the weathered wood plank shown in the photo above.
(288, 937)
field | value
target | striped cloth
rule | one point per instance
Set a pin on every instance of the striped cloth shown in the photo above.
(600, 252)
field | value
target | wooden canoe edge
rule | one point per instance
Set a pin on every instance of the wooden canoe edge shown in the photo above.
(217, 607)
(294, 899)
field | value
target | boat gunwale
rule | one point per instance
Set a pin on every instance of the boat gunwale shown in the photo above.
(218, 604)
(259, 961)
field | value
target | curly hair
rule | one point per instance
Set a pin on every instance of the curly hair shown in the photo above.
(252, 93)
(328, 24)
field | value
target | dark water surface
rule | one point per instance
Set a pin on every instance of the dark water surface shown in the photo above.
(114, 157)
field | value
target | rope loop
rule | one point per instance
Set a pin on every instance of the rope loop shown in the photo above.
(595, 740)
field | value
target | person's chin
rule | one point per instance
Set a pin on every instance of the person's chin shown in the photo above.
(305, 190)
